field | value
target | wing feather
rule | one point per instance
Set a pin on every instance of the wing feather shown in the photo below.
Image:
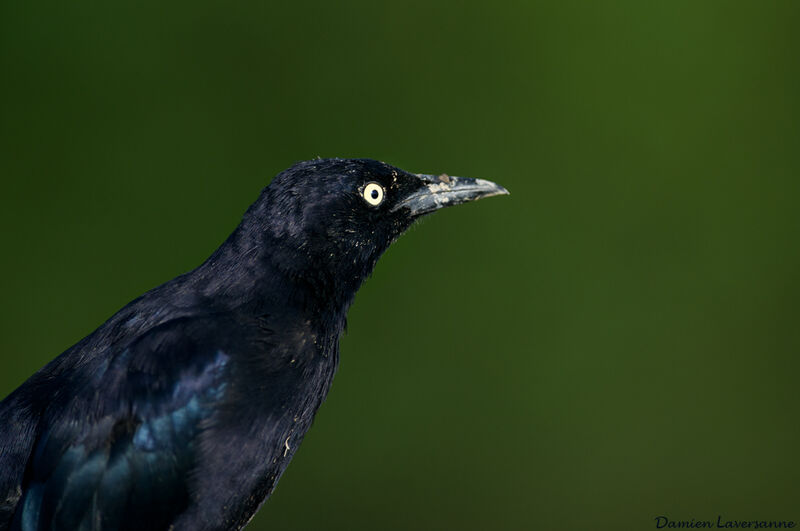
(124, 444)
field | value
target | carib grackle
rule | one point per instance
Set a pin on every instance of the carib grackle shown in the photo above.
(184, 408)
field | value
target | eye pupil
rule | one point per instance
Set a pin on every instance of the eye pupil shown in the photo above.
(375, 194)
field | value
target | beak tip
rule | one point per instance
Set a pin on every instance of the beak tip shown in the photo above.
(492, 187)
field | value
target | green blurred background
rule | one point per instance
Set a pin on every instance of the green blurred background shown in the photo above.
(615, 341)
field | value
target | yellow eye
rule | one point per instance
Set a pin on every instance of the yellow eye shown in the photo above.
(373, 194)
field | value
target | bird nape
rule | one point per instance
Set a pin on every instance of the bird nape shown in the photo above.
(184, 408)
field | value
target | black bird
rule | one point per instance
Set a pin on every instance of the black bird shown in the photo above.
(184, 408)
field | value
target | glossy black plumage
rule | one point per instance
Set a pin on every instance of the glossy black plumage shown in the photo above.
(185, 407)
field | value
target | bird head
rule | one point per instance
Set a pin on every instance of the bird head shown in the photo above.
(327, 221)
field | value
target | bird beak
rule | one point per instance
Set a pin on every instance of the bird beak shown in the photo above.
(439, 191)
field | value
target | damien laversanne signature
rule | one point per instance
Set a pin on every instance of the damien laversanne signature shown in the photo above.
(662, 522)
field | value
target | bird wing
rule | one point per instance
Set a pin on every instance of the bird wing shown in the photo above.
(115, 443)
